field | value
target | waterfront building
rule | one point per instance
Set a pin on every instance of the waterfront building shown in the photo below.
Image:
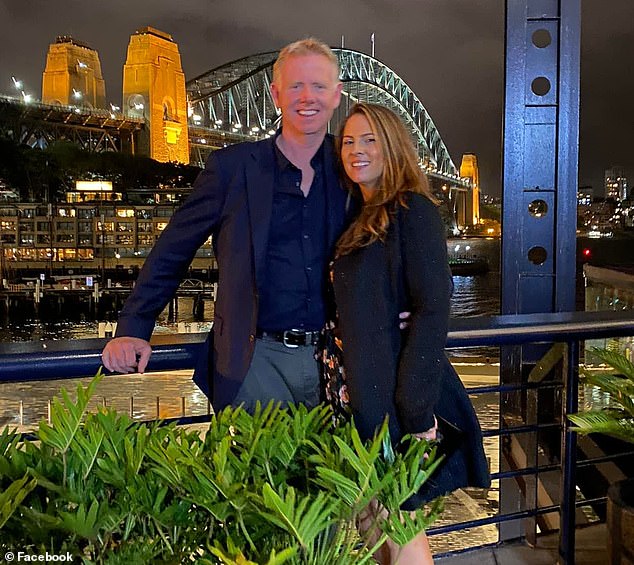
(93, 235)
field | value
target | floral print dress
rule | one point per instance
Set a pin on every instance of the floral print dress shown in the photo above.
(329, 354)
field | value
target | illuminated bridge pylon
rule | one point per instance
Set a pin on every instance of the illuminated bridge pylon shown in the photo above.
(233, 103)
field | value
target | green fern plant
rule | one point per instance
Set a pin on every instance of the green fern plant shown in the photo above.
(276, 487)
(617, 420)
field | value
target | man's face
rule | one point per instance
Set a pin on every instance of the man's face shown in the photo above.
(307, 90)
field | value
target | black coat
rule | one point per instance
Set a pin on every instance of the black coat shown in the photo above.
(406, 375)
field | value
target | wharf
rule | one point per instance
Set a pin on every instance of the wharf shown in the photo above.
(94, 302)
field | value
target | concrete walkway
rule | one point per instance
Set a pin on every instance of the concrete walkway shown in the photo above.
(590, 550)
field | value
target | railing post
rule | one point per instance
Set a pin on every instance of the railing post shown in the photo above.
(569, 459)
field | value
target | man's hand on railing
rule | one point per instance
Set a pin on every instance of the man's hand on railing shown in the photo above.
(126, 354)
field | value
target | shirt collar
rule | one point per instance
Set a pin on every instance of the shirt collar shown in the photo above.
(282, 161)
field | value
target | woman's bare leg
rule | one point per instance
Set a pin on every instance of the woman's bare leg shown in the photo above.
(416, 552)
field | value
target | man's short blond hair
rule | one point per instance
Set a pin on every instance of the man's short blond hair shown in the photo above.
(308, 46)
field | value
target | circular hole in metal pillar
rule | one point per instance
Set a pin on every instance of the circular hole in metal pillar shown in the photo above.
(538, 208)
(541, 38)
(537, 255)
(540, 86)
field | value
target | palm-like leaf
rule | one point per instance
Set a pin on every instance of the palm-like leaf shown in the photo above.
(281, 486)
(619, 389)
(616, 360)
(12, 497)
(304, 518)
(618, 420)
(66, 416)
(610, 422)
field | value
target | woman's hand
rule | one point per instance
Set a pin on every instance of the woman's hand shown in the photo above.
(430, 434)
(404, 320)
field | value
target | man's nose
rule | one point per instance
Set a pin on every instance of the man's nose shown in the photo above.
(306, 93)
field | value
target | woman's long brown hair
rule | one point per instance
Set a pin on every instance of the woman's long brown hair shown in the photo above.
(401, 174)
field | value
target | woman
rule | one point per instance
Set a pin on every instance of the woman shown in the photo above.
(393, 258)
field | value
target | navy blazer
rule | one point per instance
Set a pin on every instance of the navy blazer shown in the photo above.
(232, 201)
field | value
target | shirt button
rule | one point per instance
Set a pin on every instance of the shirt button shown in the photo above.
(251, 338)
(297, 183)
(306, 236)
(309, 269)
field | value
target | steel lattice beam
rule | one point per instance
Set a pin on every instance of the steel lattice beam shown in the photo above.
(235, 100)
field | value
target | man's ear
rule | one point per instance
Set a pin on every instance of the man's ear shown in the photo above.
(339, 91)
(275, 94)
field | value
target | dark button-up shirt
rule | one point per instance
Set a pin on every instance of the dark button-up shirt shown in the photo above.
(292, 289)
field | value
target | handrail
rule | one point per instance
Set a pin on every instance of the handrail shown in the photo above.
(78, 358)
(66, 359)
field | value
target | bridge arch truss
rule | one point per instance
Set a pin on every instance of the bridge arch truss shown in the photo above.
(233, 103)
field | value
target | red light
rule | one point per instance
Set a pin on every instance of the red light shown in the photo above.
(587, 252)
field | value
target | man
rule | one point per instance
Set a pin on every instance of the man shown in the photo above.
(275, 209)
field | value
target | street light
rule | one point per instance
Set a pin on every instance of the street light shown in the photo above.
(19, 86)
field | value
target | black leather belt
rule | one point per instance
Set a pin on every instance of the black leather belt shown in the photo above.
(290, 338)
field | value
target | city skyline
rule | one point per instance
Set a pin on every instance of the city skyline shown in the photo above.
(451, 54)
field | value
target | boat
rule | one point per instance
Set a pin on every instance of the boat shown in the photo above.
(468, 266)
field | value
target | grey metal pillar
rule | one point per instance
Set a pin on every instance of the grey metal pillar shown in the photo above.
(541, 124)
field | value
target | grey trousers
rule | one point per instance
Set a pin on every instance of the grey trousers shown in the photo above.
(281, 374)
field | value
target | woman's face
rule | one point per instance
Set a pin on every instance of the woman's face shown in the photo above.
(361, 154)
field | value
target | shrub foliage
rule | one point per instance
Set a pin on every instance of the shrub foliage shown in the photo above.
(279, 486)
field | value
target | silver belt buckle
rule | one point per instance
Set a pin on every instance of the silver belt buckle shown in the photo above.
(285, 337)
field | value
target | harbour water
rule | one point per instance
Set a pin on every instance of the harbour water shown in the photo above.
(473, 296)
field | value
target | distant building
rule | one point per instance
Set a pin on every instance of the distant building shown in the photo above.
(599, 218)
(585, 194)
(615, 184)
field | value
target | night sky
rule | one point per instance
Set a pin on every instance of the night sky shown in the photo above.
(450, 52)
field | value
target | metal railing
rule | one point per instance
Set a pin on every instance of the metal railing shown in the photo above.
(66, 359)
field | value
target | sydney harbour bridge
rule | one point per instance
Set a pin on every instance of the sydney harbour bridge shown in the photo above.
(232, 103)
